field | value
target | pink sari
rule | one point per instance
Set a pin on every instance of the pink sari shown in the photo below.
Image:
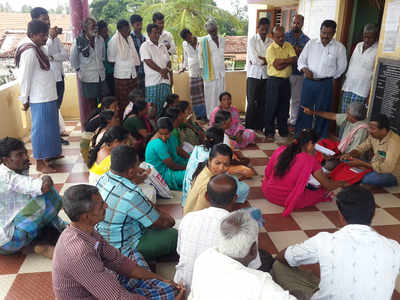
(249, 136)
(290, 190)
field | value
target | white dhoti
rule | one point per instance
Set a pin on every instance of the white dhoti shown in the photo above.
(212, 90)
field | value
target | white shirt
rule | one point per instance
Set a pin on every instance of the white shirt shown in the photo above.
(356, 262)
(167, 38)
(217, 55)
(159, 55)
(198, 231)
(191, 59)
(91, 68)
(361, 68)
(256, 68)
(219, 277)
(56, 49)
(36, 84)
(328, 61)
(123, 68)
(16, 191)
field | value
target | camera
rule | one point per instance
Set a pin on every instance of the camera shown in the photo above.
(58, 30)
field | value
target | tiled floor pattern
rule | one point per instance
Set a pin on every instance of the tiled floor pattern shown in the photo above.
(29, 277)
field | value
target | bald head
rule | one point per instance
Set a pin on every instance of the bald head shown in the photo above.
(221, 190)
(278, 35)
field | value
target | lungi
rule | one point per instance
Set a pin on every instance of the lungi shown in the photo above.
(348, 98)
(123, 87)
(197, 95)
(29, 223)
(156, 94)
(316, 95)
(45, 133)
(212, 90)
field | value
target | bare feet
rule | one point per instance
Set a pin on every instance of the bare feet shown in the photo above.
(44, 250)
(44, 167)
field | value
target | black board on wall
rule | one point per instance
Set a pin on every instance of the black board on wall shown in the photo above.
(386, 92)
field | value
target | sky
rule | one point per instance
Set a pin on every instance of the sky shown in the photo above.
(17, 4)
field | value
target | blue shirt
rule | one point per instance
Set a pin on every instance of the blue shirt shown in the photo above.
(138, 41)
(300, 43)
(129, 212)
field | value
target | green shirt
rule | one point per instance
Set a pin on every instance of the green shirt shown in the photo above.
(134, 124)
(359, 137)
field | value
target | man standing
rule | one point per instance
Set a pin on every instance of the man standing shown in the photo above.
(191, 61)
(38, 91)
(212, 66)
(257, 75)
(280, 56)
(122, 52)
(361, 67)
(87, 58)
(321, 61)
(157, 69)
(138, 40)
(298, 40)
(103, 32)
(57, 55)
(166, 37)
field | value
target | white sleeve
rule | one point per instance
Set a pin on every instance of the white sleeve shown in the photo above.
(252, 52)
(25, 73)
(23, 184)
(144, 52)
(185, 56)
(112, 50)
(172, 48)
(302, 61)
(307, 252)
(62, 55)
(341, 61)
(200, 52)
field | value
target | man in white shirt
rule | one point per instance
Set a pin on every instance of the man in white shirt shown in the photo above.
(198, 230)
(157, 69)
(257, 75)
(39, 93)
(191, 62)
(122, 52)
(356, 262)
(298, 40)
(322, 60)
(166, 37)
(212, 66)
(361, 67)
(222, 272)
(57, 55)
(87, 58)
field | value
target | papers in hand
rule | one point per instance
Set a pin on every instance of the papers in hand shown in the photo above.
(314, 182)
(324, 150)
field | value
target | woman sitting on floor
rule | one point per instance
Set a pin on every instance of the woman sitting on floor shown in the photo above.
(218, 162)
(29, 206)
(100, 156)
(239, 163)
(161, 154)
(138, 124)
(240, 136)
(190, 131)
(108, 103)
(294, 178)
(200, 154)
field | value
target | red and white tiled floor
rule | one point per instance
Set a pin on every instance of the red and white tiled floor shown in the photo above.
(29, 277)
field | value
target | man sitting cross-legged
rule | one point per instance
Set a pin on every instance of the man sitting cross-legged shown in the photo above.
(356, 262)
(131, 220)
(83, 261)
(222, 273)
(28, 206)
(199, 230)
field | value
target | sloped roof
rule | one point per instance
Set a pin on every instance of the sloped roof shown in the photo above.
(235, 44)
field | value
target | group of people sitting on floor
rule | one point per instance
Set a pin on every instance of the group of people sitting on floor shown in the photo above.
(118, 232)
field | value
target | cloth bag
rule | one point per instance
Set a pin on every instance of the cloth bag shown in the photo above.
(349, 174)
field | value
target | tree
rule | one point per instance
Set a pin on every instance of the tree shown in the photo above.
(5, 7)
(59, 9)
(66, 9)
(26, 8)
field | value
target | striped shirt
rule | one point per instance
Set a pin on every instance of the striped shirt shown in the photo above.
(80, 266)
(128, 214)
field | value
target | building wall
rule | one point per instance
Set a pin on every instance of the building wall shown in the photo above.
(16, 123)
(393, 55)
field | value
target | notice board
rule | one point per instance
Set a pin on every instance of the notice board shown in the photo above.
(386, 92)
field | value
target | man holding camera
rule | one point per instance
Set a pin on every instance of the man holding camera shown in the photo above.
(57, 55)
